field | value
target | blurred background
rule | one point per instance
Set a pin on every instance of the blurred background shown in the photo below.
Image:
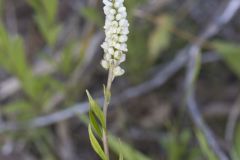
(178, 100)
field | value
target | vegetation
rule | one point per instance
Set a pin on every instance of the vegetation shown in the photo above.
(50, 55)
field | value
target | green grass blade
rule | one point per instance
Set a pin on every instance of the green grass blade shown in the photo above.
(127, 151)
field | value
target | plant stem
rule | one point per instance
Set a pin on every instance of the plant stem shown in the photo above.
(105, 108)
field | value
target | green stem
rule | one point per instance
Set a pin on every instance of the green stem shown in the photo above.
(105, 108)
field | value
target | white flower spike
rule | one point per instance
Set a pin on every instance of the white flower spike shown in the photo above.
(116, 31)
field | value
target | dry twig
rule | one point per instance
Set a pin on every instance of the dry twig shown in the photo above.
(157, 81)
(192, 71)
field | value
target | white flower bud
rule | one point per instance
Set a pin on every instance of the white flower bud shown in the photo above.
(117, 46)
(110, 50)
(125, 31)
(114, 24)
(104, 45)
(123, 14)
(123, 38)
(118, 71)
(107, 2)
(110, 17)
(117, 54)
(104, 64)
(123, 22)
(120, 1)
(124, 47)
(107, 57)
(117, 4)
(123, 58)
(116, 31)
(122, 9)
(113, 11)
(118, 17)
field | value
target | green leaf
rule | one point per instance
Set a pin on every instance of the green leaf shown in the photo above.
(198, 67)
(45, 8)
(50, 8)
(97, 148)
(66, 64)
(96, 110)
(17, 56)
(49, 30)
(13, 59)
(204, 146)
(160, 38)
(230, 53)
(120, 153)
(17, 107)
(46, 12)
(95, 124)
(36, 5)
(237, 143)
(4, 40)
(171, 142)
(120, 157)
(52, 35)
(127, 151)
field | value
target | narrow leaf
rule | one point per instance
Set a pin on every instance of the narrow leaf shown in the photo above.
(96, 110)
(204, 146)
(50, 9)
(237, 141)
(160, 38)
(120, 153)
(96, 146)
(230, 53)
(120, 157)
(127, 151)
(95, 124)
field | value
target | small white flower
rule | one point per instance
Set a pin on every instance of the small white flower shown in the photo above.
(123, 38)
(116, 31)
(113, 11)
(117, 4)
(105, 64)
(107, 57)
(123, 47)
(122, 9)
(107, 2)
(110, 50)
(117, 54)
(118, 71)
(125, 31)
(118, 16)
(123, 58)
(117, 46)
(123, 22)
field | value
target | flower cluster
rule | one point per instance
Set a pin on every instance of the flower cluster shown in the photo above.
(116, 31)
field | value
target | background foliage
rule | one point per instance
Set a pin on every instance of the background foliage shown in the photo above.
(50, 54)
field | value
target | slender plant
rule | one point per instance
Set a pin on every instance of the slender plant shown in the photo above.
(116, 32)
